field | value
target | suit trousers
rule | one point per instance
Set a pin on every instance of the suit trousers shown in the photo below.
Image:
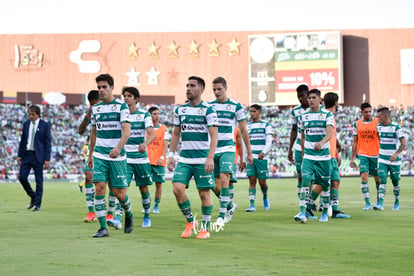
(28, 162)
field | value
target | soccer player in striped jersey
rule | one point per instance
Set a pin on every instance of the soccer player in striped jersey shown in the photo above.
(331, 103)
(316, 130)
(195, 122)
(392, 143)
(302, 94)
(156, 154)
(366, 146)
(93, 98)
(230, 113)
(136, 149)
(109, 133)
(260, 134)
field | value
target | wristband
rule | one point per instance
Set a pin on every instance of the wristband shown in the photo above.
(170, 154)
(162, 157)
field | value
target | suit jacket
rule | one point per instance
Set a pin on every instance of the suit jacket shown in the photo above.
(42, 142)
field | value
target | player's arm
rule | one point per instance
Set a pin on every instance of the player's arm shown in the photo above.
(126, 131)
(150, 138)
(325, 139)
(245, 136)
(175, 138)
(92, 142)
(239, 145)
(302, 141)
(85, 121)
(213, 131)
(354, 150)
(268, 145)
(403, 144)
(164, 151)
(293, 135)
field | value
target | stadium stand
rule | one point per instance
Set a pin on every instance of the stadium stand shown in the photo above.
(67, 157)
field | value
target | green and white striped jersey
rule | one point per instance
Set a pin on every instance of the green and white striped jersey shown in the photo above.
(389, 137)
(140, 121)
(257, 134)
(229, 114)
(107, 118)
(314, 124)
(194, 122)
(296, 112)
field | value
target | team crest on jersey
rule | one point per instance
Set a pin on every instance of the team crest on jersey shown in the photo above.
(139, 117)
(114, 107)
(228, 107)
(200, 111)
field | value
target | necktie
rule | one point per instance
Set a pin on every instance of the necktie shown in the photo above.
(33, 136)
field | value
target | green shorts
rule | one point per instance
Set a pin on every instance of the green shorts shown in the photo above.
(233, 177)
(223, 163)
(158, 174)
(394, 170)
(258, 169)
(369, 165)
(335, 170)
(298, 160)
(114, 171)
(317, 171)
(184, 172)
(87, 169)
(142, 173)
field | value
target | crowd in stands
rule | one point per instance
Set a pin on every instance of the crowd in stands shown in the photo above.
(67, 144)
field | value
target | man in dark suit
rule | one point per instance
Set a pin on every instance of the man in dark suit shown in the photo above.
(34, 152)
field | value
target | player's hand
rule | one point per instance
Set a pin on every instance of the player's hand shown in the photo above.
(261, 155)
(249, 159)
(19, 161)
(114, 153)
(90, 162)
(171, 164)
(290, 157)
(159, 161)
(142, 148)
(394, 157)
(47, 163)
(209, 166)
(242, 166)
(339, 160)
(352, 164)
(318, 146)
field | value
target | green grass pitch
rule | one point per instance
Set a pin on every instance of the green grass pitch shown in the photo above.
(56, 241)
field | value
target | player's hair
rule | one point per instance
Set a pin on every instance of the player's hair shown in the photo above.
(199, 80)
(152, 109)
(93, 95)
(384, 110)
(302, 88)
(315, 91)
(35, 109)
(256, 106)
(220, 80)
(330, 99)
(131, 90)
(105, 77)
(365, 105)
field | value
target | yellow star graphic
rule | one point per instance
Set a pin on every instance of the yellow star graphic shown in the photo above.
(194, 49)
(153, 50)
(214, 51)
(173, 50)
(133, 51)
(234, 47)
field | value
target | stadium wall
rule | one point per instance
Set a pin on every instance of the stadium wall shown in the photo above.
(159, 63)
